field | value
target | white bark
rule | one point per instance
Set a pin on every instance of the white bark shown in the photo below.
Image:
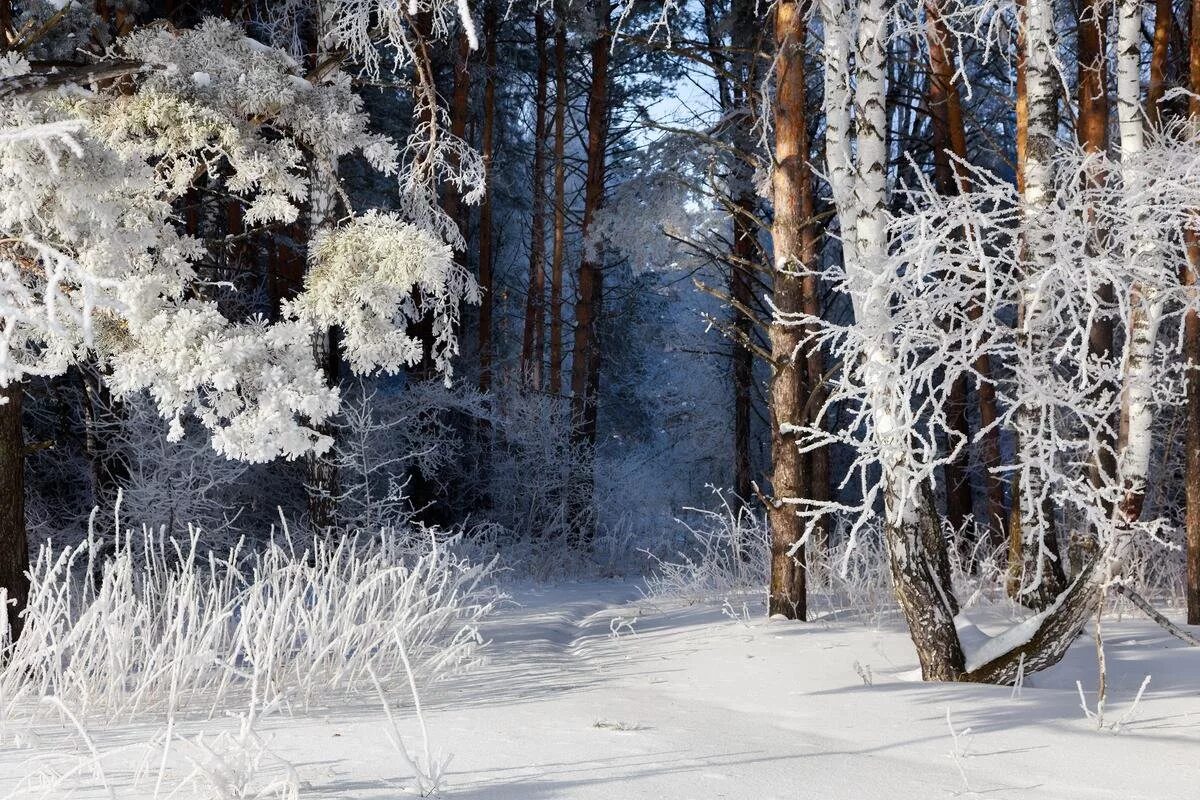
(1038, 245)
(858, 177)
(835, 16)
(1146, 295)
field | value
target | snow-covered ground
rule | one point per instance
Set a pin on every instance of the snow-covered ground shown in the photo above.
(591, 692)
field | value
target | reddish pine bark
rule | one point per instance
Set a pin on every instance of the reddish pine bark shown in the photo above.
(1191, 354)
(794, 242)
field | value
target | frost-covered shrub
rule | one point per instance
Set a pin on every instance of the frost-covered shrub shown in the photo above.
(533, 467)
(160, 625)
(726, 552)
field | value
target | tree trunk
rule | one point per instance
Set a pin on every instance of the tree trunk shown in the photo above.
(1135, 439)
(321, 472)
(921, 588)
(460, 108)
(101, 416)
(585, 358)
(321, 483)
(560, 204)
(1033, 540)
(532, 350)
(491, 28)
(1164, 22)
(744, 249)
(1191, 354)
(794, 252)
(14, 546)
(745, 252)
(1092, 135)
(6, 25)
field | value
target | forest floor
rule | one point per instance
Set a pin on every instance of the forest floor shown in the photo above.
(591, 692)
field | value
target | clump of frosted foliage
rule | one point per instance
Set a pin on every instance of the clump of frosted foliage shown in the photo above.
(214, 81)
(374, 275)
(94, 266)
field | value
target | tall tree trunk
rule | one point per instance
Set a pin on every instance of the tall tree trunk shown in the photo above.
(491, 29)
(532, 350)
(794, 253)
(585, 358)
(858, 176)
(1092, 135)
(1035, 574)
(745, 252)
(1164, 23)
(14, 545)
(1021, 100)
(1135, 439)
(321, 479)
(560, 204)
(744, 249)
(460, 110)
(1191, 354)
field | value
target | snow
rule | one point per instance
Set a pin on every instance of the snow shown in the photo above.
(591, 692)
(980, 652)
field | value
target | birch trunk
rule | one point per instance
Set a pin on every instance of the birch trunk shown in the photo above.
(1035, 574)
(912, 530)
(1134, 441)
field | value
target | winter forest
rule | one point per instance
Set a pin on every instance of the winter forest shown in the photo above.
(537, 399)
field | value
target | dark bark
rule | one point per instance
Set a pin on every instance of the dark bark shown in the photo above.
(459, 112)
(924, 595)
(560, 205)
(1164, 24)
(491, 29)
(533, 340)
(744, 251)
(585, 359)
(14, 546)
(101, 416)
(6, 25)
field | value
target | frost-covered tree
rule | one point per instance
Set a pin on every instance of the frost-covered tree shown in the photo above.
(96, 267)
